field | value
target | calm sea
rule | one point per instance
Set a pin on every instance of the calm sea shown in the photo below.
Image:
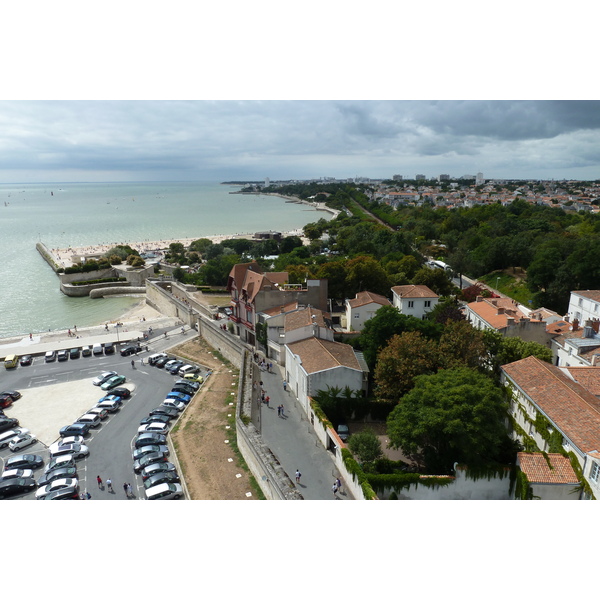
(76, 214)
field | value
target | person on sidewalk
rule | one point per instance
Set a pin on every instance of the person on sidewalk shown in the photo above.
(338, 484)
(99, 480)
(298, 475)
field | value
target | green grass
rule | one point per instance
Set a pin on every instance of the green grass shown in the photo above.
(509, 285)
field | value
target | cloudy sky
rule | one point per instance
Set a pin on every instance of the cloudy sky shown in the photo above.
(250, 140)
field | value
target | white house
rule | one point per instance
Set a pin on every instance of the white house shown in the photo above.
(414, 300)
(293, 323)
(584, 305)
(575, 346)
(552, 403)
(362, 308)
(314, 364)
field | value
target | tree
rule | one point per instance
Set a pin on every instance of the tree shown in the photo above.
(461, 345)
(201, 245)
(455, 415)
(502, 350)
(365, 445)
(337, 403)
(435, 279)
(387, 322)
(446, 310)
(365, 273)
(405, 357)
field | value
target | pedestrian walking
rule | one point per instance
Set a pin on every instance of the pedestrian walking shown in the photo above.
(298, 475)
(267, 400)
(129, 490)
(133, 364)
(99, 480)
(88, 495)
(109, 485)
(279, 410)
(338, 484)
(142, 361)
(125, 490)
(334, 488)
(282, 412)
(284, 385)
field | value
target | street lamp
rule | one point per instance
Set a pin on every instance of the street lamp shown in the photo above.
(497, 283)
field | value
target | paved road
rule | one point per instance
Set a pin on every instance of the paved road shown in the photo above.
(294, 443)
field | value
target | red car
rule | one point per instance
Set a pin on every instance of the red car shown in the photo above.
(5, 401)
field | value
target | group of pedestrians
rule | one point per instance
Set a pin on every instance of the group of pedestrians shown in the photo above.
(126, 487)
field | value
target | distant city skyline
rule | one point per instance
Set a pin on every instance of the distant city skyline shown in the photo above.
(59, 141)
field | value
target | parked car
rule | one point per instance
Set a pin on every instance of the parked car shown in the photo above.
(178, 404)
(155, 419)
(195, 377)
(186, 381)
(112, 398)
(343, 432)
(6, 402)
(12, 473)
(159, 467)
(109, 348)
(179, 396)
(14, 394)
(74, 353)
(6, 437)
(75, 429)
(153, 427)
(154, 357)
(86, 351)
(112, 382)
(18, 485)
(50, 356)
(186, 369)
(161, 362)
(67, 493)
(149, 459)
(77, 451)
(149, 438)
(61, 462)
(133, 349)
(90, 419)
(62, 355)
(169, 411)
(170, 362)
(57, 484)
(24, 461)
(144, 450)
(164, 477)
(101, 412)
(22, 441)
(110, 405)
(184, 389)
(26, 360)
(59, 473)
(7, 423)
(174, 367)
(103, 377)
(122, 392)
(164, 491)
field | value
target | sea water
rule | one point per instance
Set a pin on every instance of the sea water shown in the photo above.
(83, 214)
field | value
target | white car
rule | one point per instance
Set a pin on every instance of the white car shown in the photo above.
(103, 377)
(101, 412)
(154, 427)
(57, 484)
(109, 405)
(74, 450)
(164, 491)
(13, 473)
(22, 441)
(178, 404)
(7, 436)
(69, 439)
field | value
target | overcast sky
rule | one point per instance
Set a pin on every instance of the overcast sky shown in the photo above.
(250, 140)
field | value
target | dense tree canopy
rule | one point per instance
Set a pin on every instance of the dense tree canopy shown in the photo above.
(455, 415)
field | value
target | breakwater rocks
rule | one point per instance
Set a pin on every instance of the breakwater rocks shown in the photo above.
(48, 256)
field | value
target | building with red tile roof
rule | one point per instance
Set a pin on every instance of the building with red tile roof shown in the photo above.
(362, 308)
(550, 476)
(548, 405)
(414, 300)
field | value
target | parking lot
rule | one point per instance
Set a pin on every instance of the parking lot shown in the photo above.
(56, 394)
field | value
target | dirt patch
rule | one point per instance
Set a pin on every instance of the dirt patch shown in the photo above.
(201, 433)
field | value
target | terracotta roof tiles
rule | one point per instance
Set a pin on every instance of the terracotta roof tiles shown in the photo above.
(537, 469)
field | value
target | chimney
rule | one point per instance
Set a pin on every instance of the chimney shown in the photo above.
(479, 299)
(500, 310)
(510, 321)
(596, 325)
(595, 359)
(575, 326)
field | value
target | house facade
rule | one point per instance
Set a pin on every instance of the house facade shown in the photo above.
(254, 291)
(554, 409)
(294, 324)
(314, 364)
(414, 300)
(584, 305)
(362, 308)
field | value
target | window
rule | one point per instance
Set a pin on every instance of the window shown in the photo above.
(357, 315)
(411, 303)
(595, 308)
(580, 302)
(565, 443)
(595, 472)
(427, 303)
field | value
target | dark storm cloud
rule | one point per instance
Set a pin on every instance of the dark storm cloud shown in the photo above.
(294, 139)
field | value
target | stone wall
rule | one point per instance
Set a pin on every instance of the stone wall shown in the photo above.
(79, 291)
